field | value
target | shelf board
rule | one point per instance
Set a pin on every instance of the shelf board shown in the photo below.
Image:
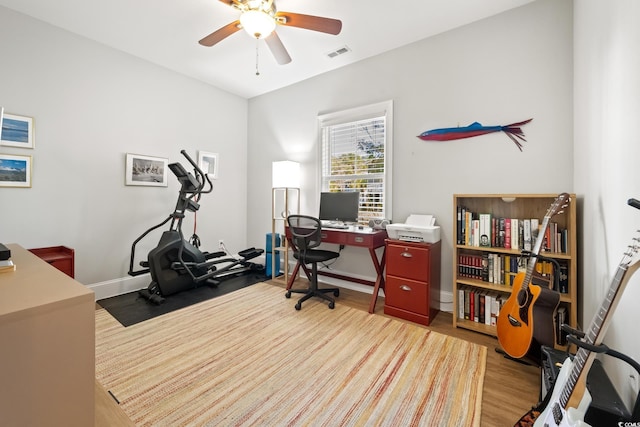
(558, 255)
(477, 327)
(485, 285)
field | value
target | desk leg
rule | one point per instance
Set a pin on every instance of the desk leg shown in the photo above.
(380, 278)
(293, 276)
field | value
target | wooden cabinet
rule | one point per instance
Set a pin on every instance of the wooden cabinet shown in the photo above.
(60, 257)
(47, 331)
(412, 287)
(470, 259)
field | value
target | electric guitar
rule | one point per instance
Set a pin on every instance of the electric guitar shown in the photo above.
(570, 397)
(528, 312)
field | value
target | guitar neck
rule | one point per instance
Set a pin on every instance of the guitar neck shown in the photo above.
(536, 250)
(597, 329)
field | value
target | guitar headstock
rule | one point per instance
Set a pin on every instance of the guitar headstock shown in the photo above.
(631, 257)
(558, 205)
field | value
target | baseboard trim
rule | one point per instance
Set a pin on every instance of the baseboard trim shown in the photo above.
(123, 285)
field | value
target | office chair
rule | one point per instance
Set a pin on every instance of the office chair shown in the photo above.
(306, 235)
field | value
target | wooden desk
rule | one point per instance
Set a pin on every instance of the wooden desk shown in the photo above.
(47, 346)
(371, 240)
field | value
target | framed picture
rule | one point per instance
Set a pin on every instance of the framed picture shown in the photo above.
(17, 131)
(15, 171)
(146, 170)
(208, 162)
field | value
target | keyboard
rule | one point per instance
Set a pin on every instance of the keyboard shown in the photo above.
(335, 226)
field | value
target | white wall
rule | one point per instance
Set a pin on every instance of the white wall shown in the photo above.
(91, 105)
(503, 69)
(606, 153)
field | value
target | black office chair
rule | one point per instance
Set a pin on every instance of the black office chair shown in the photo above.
(306, 235)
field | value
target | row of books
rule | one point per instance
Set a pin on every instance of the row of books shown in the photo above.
(479, 305)
(493, 268)
(486, 230)
(501, 269)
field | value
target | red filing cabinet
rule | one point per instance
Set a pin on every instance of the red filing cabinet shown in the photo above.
(60, 257)
(412, 285)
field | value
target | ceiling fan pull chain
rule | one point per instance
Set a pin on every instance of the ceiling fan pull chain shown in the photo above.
(257, 71)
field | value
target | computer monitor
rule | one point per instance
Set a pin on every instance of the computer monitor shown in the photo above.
(339, 206)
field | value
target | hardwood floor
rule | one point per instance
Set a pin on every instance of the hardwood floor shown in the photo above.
(510, 388)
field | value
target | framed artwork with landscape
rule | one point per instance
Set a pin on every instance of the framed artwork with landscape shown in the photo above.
(146, 170)
(15, 171)
(17, 131)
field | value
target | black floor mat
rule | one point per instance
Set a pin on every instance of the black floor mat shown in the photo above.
(131, 308)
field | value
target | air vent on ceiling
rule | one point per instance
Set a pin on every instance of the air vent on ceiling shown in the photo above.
(339, 51)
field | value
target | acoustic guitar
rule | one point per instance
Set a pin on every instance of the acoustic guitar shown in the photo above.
(529, 310)
(570, 398)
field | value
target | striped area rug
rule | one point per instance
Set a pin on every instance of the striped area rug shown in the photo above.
(249, 358)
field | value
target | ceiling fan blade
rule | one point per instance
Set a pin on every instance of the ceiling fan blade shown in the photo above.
(310, 22)
(220, 34)
(231, 2)
(277, 49)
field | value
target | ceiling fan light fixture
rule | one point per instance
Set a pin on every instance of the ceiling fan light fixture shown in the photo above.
(257, 23)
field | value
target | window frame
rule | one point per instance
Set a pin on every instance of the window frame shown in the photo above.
(355, 114)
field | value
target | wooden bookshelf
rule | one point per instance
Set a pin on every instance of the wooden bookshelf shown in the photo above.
(466, 253)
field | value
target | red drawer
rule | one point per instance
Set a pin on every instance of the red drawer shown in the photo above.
(407, 294)
(408, 261)
(59, 257)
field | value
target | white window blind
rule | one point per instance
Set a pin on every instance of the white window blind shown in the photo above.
(355, 156)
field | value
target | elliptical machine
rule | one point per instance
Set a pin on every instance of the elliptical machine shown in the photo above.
(176, 265)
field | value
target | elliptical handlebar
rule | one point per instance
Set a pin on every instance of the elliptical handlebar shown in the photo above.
(202, 177)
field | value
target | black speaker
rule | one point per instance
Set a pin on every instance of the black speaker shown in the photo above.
(378, 224)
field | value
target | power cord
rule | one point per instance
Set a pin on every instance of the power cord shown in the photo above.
(195, 240)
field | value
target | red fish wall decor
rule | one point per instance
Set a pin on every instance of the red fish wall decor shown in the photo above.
(513, 131)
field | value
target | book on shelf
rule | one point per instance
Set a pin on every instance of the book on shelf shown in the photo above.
(496, 305)
(475, 232)
(526, 234)
(507, 233)
(476, 304)
(515, 233)
(467, 303)
(459, 239)
(487, 307)
(485, 229)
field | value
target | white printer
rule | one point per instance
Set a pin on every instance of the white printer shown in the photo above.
(417, 228)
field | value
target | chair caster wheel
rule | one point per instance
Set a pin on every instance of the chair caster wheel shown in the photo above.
(336, 293)
(288, 294)
(298, 306)
(332, 305)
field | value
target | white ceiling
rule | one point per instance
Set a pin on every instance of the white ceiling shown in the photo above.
(166, 32)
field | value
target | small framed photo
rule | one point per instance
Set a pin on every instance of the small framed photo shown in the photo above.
(146, 170)
(15, 171)
(208, 162)
(17, 131)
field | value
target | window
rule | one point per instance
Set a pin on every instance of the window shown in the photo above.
(356, 149)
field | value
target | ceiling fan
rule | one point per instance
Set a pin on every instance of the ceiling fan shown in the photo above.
(260, 18)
